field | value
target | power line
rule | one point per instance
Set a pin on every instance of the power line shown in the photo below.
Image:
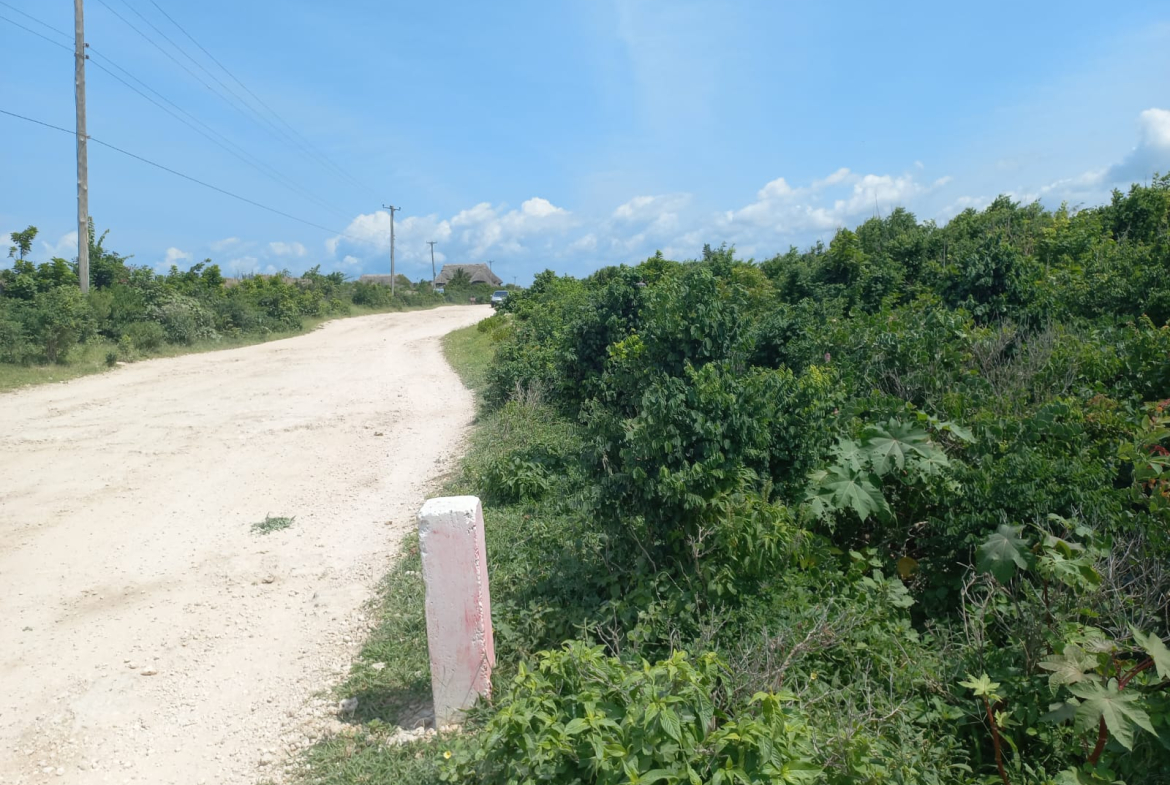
(226, 144)
(34, 32)
(27, 15)
(248, 111)
(199, 65)
(175, 60)
(257, 98)
(195, 180)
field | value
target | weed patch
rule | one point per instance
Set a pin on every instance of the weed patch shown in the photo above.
(272, 523)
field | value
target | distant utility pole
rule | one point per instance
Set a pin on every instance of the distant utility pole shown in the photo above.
(431, 243)
(82, 157)
(392, 210)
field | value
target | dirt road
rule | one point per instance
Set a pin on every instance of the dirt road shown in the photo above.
(147, 634)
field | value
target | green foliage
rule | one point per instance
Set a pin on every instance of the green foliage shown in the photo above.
(578, 716)
(23, 243)
(145, 336)
(912, 483)
(43, 318)
(272, 523)
(1002, 553)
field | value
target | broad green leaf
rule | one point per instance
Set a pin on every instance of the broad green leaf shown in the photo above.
(1074, 665)
(1001, 553)
(654, 775)
(982, 686)
(800, 771)
(842, 489)
(1106, 701)
(671, 724)
(1153, 646)
(890, 446)
(1061, 712)
(961, 433)
(849, 454)
(575, 726)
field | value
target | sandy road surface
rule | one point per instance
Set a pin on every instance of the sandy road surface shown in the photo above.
(146, 634)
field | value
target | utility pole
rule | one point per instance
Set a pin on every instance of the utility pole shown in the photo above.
(82, 156)
(392, 210)
(431, 243)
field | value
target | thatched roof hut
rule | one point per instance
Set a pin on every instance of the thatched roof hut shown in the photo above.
(478, 273)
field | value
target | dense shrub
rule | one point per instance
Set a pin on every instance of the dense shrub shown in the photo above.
(43, 317)
(146, 336)
(913, 485)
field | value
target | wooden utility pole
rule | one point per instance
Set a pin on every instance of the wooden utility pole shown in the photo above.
(82, 157)
(431, 243)
(393, 276)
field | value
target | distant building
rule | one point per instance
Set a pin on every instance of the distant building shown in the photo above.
(478, 273)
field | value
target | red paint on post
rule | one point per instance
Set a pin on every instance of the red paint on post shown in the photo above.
(458, 605)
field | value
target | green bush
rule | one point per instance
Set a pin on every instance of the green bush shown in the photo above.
(145, 336)
(579, 716)
(14, 345)
(57, 320)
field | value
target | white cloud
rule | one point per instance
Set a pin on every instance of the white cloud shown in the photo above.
(584, 243)
(961, 204)
(643, 221)
(839, 176)
(174, 256)
(540, 208)
(792, 210)
(1152, 153)
(475, 232)
(287, 249)
(225, 243)
(243, 265)
(65, 247)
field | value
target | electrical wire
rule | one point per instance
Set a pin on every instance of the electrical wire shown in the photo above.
(242, 155)
(256, 116)
(225, 144)
(177, 173)
(34, 32)
(27, 15)
(257, 98)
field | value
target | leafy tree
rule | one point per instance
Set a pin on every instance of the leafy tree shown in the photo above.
(459, 280)
(24, 241)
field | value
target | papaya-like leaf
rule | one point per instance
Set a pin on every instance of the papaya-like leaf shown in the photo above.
(839, 488)
(890, 446)
(1118, 709)
(1069, 667)
(1002, 553)
(1152, 645)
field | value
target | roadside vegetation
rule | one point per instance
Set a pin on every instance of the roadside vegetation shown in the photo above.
(891, 510)
(50, 331)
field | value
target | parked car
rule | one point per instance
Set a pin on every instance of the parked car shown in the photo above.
(499, 296)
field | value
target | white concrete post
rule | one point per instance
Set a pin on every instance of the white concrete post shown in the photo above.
(459, 608)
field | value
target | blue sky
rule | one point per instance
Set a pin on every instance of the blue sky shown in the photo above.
(570, 135)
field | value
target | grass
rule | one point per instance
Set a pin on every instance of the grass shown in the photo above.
(90, 358)
(536, 559)
(272, 523)
(391, 678)
(470, 353)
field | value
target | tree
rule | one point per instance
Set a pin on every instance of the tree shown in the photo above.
(24, 241)
(460, 280)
